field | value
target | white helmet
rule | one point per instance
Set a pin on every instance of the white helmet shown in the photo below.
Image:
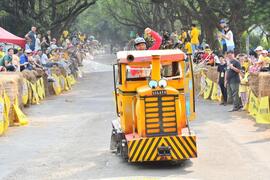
(139, 40)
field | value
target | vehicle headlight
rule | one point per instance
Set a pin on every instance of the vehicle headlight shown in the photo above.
(153, 84)
(162, 83)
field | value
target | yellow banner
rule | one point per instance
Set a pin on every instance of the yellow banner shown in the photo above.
(263, 115)
(253, 104)
(56, 85)
(21, 117)
(7, 106)
(35, 97)
(25, 93)
(208, 88)
(214, 95)
(2, 114)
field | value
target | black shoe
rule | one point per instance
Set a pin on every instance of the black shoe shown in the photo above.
(233, 110)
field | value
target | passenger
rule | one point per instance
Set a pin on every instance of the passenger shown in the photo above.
(140, 43)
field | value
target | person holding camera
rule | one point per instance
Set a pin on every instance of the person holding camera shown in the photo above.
(232, 80)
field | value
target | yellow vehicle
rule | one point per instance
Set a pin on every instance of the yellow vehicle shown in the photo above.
(154, 97)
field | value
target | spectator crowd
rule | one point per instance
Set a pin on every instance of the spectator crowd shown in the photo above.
(41, 52)
(233, 69)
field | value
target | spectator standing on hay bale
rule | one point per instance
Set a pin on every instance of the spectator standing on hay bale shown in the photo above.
(222, 24)
(31, 35)
(232, 80)
(7, 61)
(228, 36)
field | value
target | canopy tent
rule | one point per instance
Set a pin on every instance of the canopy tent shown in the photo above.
(7, 37)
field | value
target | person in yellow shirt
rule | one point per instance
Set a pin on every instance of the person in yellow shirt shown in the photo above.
(194, 35)
(265, 58)
(244, 61)
(243, 88)
(183, 36)
(188, 47)
(2, 53)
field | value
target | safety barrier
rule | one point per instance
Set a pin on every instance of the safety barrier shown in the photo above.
(258, 106)
(27, 93)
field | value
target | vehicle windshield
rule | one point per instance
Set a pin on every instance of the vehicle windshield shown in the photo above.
(136, 73)
(171, 70)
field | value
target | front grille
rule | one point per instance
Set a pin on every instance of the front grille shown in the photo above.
(160, 115)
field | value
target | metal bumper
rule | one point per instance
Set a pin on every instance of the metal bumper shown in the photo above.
(162, 148)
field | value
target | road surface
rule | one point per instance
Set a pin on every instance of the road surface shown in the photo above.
(68, 138)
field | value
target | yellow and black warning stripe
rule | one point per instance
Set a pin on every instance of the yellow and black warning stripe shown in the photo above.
(146, 149)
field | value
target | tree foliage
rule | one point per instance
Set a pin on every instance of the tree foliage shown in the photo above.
(55, 15)
(163, 14)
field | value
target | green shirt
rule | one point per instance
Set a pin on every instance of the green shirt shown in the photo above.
(1, 62)
(7, 58)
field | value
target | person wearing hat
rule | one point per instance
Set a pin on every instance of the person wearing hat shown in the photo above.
(258, 50)
(208, 55)
(265, 59)
(140, 43)
(24, 60)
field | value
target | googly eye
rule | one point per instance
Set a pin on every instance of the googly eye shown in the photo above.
(162, 83)
(153, 84)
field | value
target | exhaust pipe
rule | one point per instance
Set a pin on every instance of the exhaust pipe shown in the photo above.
(130, 58)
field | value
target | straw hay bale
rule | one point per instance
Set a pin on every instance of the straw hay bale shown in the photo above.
(12, 84)
(264, 84)
(254, 83)
(212, 74)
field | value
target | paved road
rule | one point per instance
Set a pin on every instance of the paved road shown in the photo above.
(68, 138)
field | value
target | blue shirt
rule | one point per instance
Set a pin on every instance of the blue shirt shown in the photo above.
(23, 59)
(223, 41)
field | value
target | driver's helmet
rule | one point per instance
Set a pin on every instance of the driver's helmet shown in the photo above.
(139, 40)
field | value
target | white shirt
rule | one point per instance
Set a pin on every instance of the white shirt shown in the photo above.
(37, 44)
(44, 59)
(229, 42)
